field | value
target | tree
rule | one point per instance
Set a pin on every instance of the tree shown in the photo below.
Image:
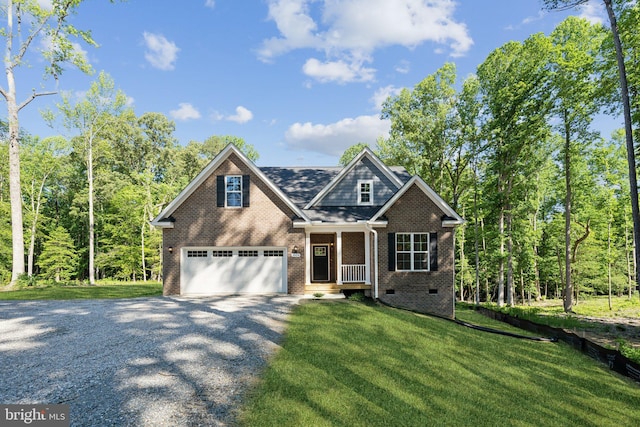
(351, 152)
(514, 86)
(575, 47)
(58, 257)
(90, 116)
(26, 21)
(419, 135)
(626, 107)
(42, 157)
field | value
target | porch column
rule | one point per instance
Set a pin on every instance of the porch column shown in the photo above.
(339, 257)
(367, 258)
(307, 258)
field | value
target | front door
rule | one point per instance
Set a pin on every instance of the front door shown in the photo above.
(320, 263)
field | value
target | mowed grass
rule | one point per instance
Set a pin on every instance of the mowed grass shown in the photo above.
(356, 364)
(551, 312)
(99, 291)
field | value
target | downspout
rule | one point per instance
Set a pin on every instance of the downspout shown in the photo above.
(375, 259)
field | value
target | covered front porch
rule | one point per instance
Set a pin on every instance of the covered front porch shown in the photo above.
(337, 259)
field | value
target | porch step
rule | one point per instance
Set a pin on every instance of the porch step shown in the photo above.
(333, 288)
(325, 288)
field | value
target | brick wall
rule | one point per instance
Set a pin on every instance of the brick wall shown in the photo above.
(427, 292)
(353, 248)
(266, 222)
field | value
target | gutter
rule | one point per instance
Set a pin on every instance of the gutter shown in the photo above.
(375, 258)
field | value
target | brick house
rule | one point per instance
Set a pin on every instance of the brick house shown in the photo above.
(239, 228)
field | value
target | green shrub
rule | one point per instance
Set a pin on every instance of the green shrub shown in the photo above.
(357, 296)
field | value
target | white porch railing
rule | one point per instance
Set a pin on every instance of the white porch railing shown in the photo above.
(354, 273)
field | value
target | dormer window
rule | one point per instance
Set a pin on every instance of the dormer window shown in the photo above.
(365, 192)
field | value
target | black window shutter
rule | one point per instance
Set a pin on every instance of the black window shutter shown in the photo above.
(433, 251)
(392, 251)
(220, 191)
(245, 191)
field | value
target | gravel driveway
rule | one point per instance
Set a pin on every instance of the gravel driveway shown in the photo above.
(140, 362)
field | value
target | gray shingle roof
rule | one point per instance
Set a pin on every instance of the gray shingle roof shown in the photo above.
(302, 184)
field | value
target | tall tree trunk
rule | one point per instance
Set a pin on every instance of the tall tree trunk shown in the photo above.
(475, 232)
(536, 268)
(630, 281)
(35, 207)
(501, 260)
(609, 260)
(484, 270)
(92, 278)
(144, 265)
(510, 284)
(568, 289)
(15, 192)
(628, 130)
(462, 239)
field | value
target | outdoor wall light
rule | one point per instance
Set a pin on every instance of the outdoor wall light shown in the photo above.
(295, 249)
(170, 249)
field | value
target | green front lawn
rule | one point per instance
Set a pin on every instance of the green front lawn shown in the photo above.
(99, 291)
(355, 364)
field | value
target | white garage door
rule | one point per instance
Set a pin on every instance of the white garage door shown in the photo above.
(253, 270)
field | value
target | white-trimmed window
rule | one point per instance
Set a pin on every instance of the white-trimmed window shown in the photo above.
(233, 191)
(412, 252)
(365, 192)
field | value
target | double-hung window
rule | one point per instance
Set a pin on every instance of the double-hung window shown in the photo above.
(365, 192)
(233, 191)
(412, 252)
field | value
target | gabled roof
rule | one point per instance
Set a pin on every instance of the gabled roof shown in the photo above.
(450, 219)
(301, 184)
(364, 153)
(164, 220)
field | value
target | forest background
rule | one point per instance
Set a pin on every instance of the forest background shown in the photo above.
(504, 148)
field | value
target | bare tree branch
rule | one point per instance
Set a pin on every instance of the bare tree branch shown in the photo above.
(33, 96)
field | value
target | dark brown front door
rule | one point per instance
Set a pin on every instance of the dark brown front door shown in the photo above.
(320, 263)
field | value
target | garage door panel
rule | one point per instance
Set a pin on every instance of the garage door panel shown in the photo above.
(234, 274)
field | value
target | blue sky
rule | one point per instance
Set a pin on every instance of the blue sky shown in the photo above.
(300, 80)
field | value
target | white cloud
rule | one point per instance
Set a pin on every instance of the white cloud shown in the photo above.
(348, 32)
(381, 95)
(531, 19)
(161, 53)
(242, 115)
(45, 4)
(185, 112)
(593, 12)
(403, 67)
(210, 3)
(337, 71)
(332, 139)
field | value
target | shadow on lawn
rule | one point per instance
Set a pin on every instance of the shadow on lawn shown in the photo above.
(146, 361)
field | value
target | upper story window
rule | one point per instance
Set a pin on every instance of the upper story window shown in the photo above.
(365, 192)
(233, 191)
